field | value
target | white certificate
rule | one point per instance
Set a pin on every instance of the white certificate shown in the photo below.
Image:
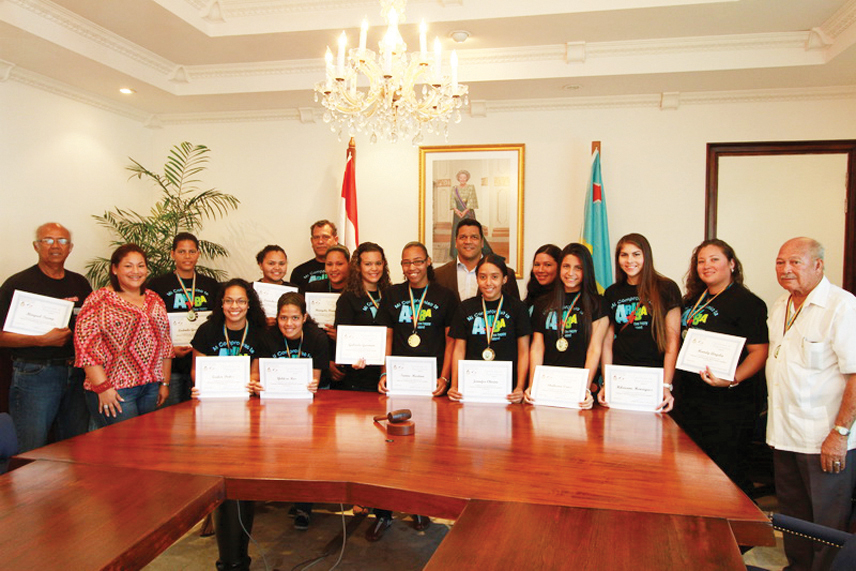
(34, 314)
(322, 307)
(633, 388)
(559, 386)
(411, 375)
(484, 381)
(223, 377)
(285, 378)
(182, 330)
(355, 342)
(269, 295)
(718, 351)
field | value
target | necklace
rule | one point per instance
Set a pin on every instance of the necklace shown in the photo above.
(191, 297)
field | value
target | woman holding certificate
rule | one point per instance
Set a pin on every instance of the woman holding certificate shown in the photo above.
(545, 269)
(187, 293)
(644, 315)
(492, 327)
(368, 279)
(337, 265)
(719, 415)
(569, 330)
(236, 328)
(122, 343)
(418, 314)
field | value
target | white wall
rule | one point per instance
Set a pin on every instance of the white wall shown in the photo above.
(288, 174)
(62, 161)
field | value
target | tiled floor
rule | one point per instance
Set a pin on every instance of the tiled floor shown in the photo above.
(402, 548)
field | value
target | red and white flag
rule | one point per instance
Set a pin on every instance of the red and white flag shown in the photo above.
(349, 227)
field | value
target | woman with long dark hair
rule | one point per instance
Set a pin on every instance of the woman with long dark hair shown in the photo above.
(570, 328)
(719, 415)
(492, 326)
(644, 315)
(545, 269)
(368, 279)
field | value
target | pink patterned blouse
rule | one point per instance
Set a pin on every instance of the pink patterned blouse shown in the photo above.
(130, 342)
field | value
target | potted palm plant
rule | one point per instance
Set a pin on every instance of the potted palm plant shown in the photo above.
(182, 207)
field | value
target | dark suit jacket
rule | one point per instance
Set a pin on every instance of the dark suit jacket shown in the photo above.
(447, 276)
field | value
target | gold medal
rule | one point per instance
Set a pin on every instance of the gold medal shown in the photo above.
(684, 333)
(191, 315)
(562, 345)
(414, 340)
(488, 354)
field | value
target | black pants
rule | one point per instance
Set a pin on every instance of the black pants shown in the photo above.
(232, 541)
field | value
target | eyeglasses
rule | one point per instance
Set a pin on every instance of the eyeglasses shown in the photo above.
(52, 241)
(238, 302)
(322, 238)
(408, 263)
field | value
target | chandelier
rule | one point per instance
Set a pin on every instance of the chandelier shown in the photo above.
(390, 94)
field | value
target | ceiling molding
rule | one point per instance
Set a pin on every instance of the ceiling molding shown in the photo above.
(841, 21)
(655, 100)
(61, 19)
(55, 87)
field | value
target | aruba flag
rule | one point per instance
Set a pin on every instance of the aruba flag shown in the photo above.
(595, 227)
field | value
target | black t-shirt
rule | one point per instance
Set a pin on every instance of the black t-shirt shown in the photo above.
(322, 286)
(210, 341)
(72, 287)
(549, 324)
(308, 272)
(437, 311)
(736, 311)
(313, 346)
(511, 324)
(352, 309)
(634, 344)
(175, 300)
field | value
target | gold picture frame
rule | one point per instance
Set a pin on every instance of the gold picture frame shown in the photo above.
(488, 176)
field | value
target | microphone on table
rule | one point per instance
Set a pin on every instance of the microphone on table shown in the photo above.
(398, 422)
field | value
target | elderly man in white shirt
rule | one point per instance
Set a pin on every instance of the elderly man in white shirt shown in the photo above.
(811, 378)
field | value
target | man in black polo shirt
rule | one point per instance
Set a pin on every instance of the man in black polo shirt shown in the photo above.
(46, 390)
(323, 235)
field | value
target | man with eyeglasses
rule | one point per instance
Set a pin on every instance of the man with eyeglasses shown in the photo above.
(47, 390)
(459, 275)
(323, 235)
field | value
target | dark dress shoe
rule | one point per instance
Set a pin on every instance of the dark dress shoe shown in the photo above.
(378, 528)
(421, 522)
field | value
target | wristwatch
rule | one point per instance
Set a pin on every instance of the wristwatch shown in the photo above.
(843, 431)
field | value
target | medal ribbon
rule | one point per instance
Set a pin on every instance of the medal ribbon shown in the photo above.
(567, 316)
(299, 347)
(229, 342)
(376, 304)
(696, 309)
(413, 307)
(488, 326)
(789, 321)
(192, 296)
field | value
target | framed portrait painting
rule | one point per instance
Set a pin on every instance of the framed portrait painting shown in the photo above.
(484, 182)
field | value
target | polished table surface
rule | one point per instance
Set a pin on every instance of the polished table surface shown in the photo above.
(330, 450)
(525, 536)
(59, 515)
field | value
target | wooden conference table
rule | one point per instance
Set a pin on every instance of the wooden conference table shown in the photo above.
(625, 477)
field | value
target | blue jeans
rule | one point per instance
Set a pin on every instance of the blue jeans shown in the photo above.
(180, 385)
(137, 401)
(42, 396)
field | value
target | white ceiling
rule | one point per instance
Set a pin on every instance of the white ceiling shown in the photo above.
(204, 59)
